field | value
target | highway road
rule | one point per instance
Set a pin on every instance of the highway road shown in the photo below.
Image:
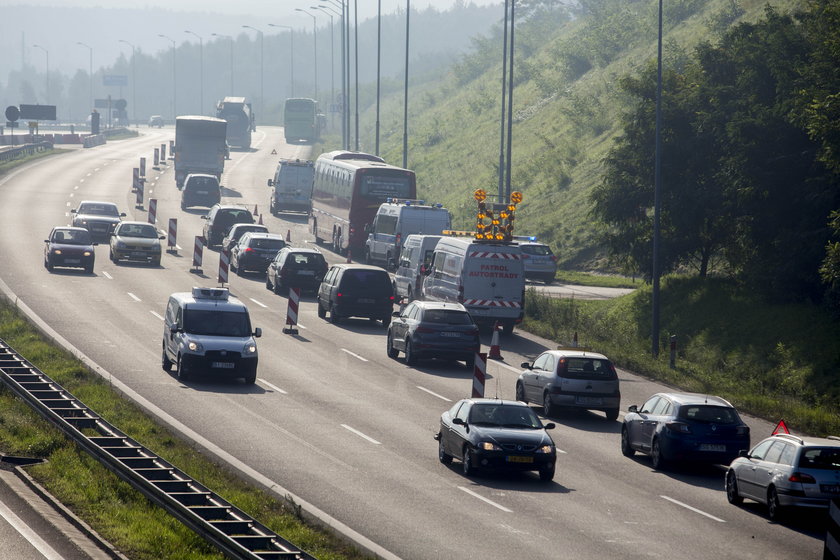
(336, 423)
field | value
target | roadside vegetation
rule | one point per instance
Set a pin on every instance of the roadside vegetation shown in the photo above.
(7, 166)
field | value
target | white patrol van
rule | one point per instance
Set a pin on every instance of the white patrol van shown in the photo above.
(416, 254)
(397, 219)
(208, 331)
(486, 277)
(292, 184)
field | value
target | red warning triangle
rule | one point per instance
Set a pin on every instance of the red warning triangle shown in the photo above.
(273, 152)
(781, 428)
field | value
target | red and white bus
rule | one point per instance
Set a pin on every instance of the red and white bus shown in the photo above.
(348, 189)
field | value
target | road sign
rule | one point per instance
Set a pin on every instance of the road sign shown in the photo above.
(37, 112)
(114, 80)
(101, 103)
(120, 104)
(12, 113)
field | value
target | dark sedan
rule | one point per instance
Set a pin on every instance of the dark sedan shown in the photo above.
(427, 329)
(296, 267)
(684, 427)
(69, 247)
(255, 251)
(494, 434)
(99, 218)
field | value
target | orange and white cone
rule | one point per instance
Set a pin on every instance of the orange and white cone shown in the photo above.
(495, 353)
(260, 220)
(288, 236)
(349, 255)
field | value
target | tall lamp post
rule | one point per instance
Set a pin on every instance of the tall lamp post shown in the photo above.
(46, 52)
(291, 55)
(315, 45)
(345, 74)
(405, 93)
(201, 69)
(92, 101)
(657, 196)
(332, 59)
(174, 83)
(262, 68)
(231, 56)
(133, 80)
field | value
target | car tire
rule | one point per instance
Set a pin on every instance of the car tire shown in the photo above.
(626, 449)
(112, 256)
(386, 320)
(520, 393)
(165, 362)
(469, 363)
(507, 329)
(443, 456)
(775, 511)
(334, 318)
(547, 473)
(156, 262)
(732, 495)
(322, 313)
(548, 407)
(268, 285)
(657, 460)
(612, 414)
(466, 462)
(183, 373)
(410, 356)
(392, 352)
(49, 265)
(250, 379)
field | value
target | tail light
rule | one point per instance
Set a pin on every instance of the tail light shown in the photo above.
(554, 258)
(249, 250)
(391, 298)
(679, 427)
(424, 330)
(339, 294)
(803, 478)
(526, 256)
(398, 239)
(742, 430)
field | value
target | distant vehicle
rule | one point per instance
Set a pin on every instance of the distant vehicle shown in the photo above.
(156, 120)
(674, 427)
(208, 331)
(569, 379)
(240, 121)
(70, 247)
(136, 241)
(255, 251)
(785, 471)
(538, 260)
(356, 290)
(236, 231)
(296, 267)
(199, 147)
(415, 258)
(498, 435)
(348, 189)
(300, 120)
(292, 186)
(99, 218)
(397, 219)
(219, 220)
(200, 189)
(426, 329)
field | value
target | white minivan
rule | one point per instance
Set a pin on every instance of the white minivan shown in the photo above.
(415, 257)
(487, 277)
(292, 192)
(395, 220)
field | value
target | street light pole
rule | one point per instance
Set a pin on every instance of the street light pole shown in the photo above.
(378, 65)
(92, 101)
(332, 61)
(262, 70)
(657, 196)
(315, 46)
(133, 80)
(345, 76)
(291, 55)
(231, 57)
(201, 70)
(504, 94)
(510, 103)
(405, 91)
(174, 83)
(48, 71)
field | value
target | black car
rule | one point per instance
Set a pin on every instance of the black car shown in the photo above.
(219, 219)
(495, 434)
(99, 218)
(429, 329)
(356, 290)
(200, 190)
(255, 251)
(236, 231)
(69, 247)
(683, 427)
(296, 267)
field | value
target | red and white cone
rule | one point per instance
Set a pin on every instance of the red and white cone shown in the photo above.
(255, 210)
(349, 255)
(288, 236)
(495, 353)
(260, 221)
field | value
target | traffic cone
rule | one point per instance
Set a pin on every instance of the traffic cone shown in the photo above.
(495, 353)
(288, 236)
(255, 210)
(260, 222)
(349, 255)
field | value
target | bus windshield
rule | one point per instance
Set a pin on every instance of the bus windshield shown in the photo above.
(382, 186)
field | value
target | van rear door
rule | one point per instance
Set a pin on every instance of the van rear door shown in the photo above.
(493, 282)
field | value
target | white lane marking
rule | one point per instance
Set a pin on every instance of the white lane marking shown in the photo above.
(29, 534)
(272, 386)
(97, 169)
(76, 188)
(483, 499)
(354, 354)
(360, 434)
(259, 303)
(434, 394)
(72, 195)
(694, 509)
(89, 174)
(106, 275)
(158, 315)
(132, 296)
(509, 367)
(81, 180)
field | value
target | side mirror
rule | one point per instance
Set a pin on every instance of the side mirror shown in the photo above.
(161, 236)
(46, 240)
(257, 332)
(95, 244)
(395, 314)
(459, 421)
(526, 365)
(271, 182)
(205, 217)
(743, 453)
(173, 328)
(550, 426)
(633, 408)
(122, 214)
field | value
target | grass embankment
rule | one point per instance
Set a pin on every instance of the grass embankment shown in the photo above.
(7, 166)
(138, 528)
(773, 361)
(599, 280)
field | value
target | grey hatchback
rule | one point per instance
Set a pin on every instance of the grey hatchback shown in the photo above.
(430, 329)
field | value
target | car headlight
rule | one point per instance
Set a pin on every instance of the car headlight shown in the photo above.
(156, 248)
(121, 245)
(489, 446)
(545, 449)
(250, 348)
(195, 346)
(56, 251)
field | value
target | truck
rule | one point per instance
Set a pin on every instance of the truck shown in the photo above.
(240, 118)
(200, 147)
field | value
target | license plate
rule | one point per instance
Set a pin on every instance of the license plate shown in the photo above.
(138, 254)
(223, 365)
(475, 311)
(717, 447)
(518, 459)
(201, 192)
(450, 334)
(830, 488)
(591, 401)
(72, 261)
(306, 272)
(366, 300)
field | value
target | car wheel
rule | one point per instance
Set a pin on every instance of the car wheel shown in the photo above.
(547, 473)
(732, 495)
(386, 320)
(183, 373)
(548, 408)
(466, 462)
(322, 313)
(250, 379)
(49, 265)
(658, 461)
(612, 414)
(469, 363)
(392, 352)
(410, 356)
(443, 456)
(165, 362)
(156, 262)
(520, 393)
(626, 449)
(507, 329)
(334, 318)
(112, 256)
(775, 511)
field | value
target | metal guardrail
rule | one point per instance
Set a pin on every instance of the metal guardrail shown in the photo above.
(231, 530)
(25, 150)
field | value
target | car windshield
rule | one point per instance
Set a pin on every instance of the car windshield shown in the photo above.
(99, 209)
(217, 323)
(827, 458)
(587, 368)
(305, 260)
(237, 232)
(504, 415)
(145, 231)
(203, 182)
(447, 316)
(709, 414)
(263, 243)
(71, 237)
(372, 280)
(536, 250)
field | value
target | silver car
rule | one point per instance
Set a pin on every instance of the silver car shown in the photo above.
(136, 241)
(539, 261)
(785, 471)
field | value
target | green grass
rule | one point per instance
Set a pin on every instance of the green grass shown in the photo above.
(600, 280)
(773, 361)
(7, 166)
(123, 516)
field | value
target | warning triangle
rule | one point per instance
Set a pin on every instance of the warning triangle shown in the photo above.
(274, 152)
(781, 428)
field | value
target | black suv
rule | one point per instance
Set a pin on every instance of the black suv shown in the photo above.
(296, 267)
(200, 190)
(255, 251)
(220, 218)
(356, 290)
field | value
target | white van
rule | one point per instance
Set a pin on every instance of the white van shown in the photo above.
(416, 253)
(486, 277)
(292, 184)
(395, 221)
